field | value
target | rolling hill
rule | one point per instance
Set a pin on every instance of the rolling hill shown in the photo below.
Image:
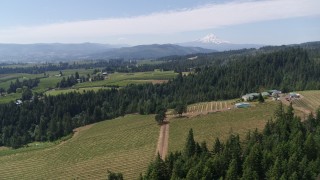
(66, 52)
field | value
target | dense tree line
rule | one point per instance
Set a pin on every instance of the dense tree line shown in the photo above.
(50, 118)
(111, 66)
(30, 83)
(287, 148)
(287, 70)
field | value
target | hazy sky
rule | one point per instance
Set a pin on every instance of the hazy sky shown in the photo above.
(153, 21)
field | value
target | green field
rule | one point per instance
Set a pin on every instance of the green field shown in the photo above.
(50, 82)
(123, 79)
(5, 79)
(126, 145)
(310, 100)
(55, 92)
(219, 124)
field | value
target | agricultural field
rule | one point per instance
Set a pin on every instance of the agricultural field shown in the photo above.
(123, 79)
(219, 124)
(126, 144)
(210, 106)
(310, 101)
(5, 79)
(55, 92)
(10, 97)
(50, 81)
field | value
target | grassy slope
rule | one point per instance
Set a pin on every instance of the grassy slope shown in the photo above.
(124, 145)
(220, 124)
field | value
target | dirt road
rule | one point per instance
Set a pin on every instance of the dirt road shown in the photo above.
(163, 141)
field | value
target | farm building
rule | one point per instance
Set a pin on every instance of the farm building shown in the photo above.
(251, 96)
(242, 105)
(18, 102)
(275, 93)
(294, 95)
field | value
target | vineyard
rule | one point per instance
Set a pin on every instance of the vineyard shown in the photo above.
(213, 106)
(310, 101)
(126, 145)
(209, 127)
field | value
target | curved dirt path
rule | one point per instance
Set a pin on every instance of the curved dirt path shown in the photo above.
(163, 141)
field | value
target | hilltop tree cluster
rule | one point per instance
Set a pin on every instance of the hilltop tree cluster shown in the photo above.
(76, 78)
(30, 83)
(286, 149)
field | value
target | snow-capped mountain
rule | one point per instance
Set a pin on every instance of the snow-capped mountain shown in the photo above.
(211, 41)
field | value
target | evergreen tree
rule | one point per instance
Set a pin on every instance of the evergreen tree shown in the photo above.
(260, 98)
(114, 176)
(190, 145)
(180, 108)
(232, 173)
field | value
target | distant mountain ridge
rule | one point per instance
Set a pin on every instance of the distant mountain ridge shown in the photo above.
(91, 51)
(151, 51)
(84, 51)
(52, 51)
(211, 41)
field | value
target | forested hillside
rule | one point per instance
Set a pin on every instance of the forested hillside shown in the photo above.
(49, 118)
(286, 149)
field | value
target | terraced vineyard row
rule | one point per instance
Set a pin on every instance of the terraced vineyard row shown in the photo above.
(310, 100)
(209, 127)
(210, 106)
(124, 145)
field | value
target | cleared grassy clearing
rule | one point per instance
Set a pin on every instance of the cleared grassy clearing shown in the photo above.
(219, 124)
(80, 90)
(124, 145)
(9, 97)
